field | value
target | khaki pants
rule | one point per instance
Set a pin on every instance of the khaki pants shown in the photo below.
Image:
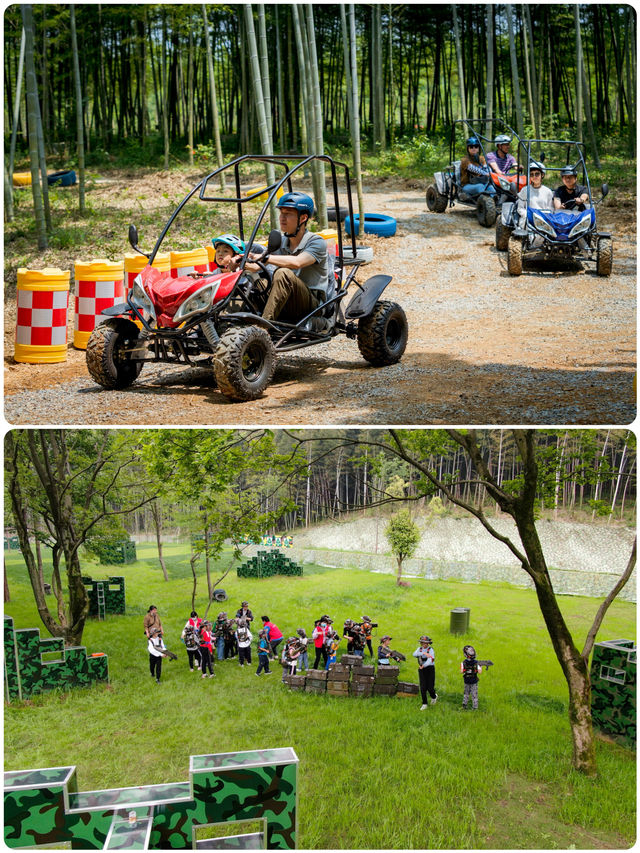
(290, 299)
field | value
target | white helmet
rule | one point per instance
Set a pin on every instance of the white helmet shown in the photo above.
(536, 164)
(502, 139)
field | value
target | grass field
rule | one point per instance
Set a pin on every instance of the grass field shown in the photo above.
(373, 773)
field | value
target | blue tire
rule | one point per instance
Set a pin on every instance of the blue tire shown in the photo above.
(374, 223)
(66, 178)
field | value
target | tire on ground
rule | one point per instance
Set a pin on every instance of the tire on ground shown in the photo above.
(514, 256)
(435, 201)
(503, 232)
(382, 336)
(604, 258)
(486, 210)
(106, 362)
(244, 363)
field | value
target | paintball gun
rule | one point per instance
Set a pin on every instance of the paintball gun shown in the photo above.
(485, 663)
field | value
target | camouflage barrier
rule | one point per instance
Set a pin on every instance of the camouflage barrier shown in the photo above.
(45, 807)
(266, 564)
(613, 689)
(112, 593)
(33, 664)
(352, 677)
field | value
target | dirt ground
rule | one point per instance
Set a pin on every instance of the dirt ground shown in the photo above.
(548, 347)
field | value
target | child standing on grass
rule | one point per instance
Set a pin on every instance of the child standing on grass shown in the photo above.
(332, 643)
(243, 638)
(426, 670)
(303, 660)
(470, 668)
(206, 649)
(189, 637)
(263, 653)
(157, 649)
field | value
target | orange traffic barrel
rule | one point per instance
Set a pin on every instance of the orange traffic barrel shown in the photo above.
(191, 260)
(133, 264)
(41, 326)
(99, 285)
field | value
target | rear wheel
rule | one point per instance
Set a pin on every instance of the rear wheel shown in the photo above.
(435, 200)
(486, 210)
(604, 258)
(108, 362)
(382, 336)
(514, 256)
(503, 232)
(244, 362)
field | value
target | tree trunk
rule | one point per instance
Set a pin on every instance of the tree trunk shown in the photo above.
(156, 515)
(578, 80)
(79, 109)
(490, 83)
(355, 127)
(461, 85)
(316, 105)
(33, 119)
(515, 79)
(16, 113)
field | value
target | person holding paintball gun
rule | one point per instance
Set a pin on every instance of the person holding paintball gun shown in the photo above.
(470, 669)
(367, 627)
(426, 670)
(157, 651)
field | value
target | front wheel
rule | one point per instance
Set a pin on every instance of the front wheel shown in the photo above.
(435, 200)
(244, 362)
(486, 210)
(503, 233)
(514, 256)
(382, 336)
(604, 258)
(108, 354)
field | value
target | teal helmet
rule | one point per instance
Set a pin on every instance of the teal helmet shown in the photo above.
(473, 140)
(230, 240)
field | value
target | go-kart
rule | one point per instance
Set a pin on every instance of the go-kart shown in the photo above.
(555, 234)
(215, 319)
(447, 189)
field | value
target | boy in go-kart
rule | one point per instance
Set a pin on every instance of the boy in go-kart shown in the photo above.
(301, 278)
(571, 195)
(227, 246)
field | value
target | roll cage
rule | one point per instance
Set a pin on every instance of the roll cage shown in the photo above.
(469, 124)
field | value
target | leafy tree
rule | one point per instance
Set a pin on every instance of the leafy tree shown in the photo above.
(63, 488)
(403, 535)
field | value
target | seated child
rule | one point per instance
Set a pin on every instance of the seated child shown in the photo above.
(227, 246)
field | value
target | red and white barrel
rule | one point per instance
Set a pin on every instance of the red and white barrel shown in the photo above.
(133, 264)
(191, 260)
(99, 285)
(41, 325)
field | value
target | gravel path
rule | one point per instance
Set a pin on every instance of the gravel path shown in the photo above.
(549, 347)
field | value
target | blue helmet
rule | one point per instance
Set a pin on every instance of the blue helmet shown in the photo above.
(298, 201)
(230, 240)
(473, 140)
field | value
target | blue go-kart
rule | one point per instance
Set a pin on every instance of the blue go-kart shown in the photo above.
(569, 234)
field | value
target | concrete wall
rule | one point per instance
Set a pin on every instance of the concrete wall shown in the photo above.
(583, 559)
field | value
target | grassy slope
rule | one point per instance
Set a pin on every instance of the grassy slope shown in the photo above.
(498, 778)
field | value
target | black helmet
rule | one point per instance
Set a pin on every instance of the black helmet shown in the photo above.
(469, 651)
(569, 170)
(425, 639)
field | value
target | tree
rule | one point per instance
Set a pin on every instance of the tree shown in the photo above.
(64, 487)
(79, 108)
(403, 535)
(33, 118)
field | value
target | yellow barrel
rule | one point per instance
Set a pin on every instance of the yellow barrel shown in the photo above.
(133, 264)
(264, 195)
(99, 285)
(331, 238)
(22, 179)
(41, 325)
(191, 260)
(211, 255)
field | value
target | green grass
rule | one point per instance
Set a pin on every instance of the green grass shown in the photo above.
(374, 773)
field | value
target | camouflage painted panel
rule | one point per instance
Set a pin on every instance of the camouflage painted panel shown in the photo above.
(613, 690)
(29, 661)
(125, 797)
(35, 817)
(98, 668)
(11, 681)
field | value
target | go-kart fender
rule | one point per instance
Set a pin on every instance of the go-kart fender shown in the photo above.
(115, 310)
(507, 213)
(442, 184)
(365, 299)
(245, 318)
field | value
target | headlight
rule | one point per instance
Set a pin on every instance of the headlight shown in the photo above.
(580, 227)
(139, 297)
(506, 185)
(197, 303)
(542, 225)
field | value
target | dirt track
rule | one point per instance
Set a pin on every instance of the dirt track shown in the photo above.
(548, 347)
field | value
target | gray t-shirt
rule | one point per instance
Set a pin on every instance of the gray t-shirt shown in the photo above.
(315, 276)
